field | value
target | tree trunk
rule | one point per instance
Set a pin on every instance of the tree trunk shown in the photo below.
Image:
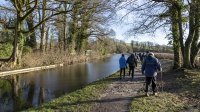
(18, 42)
(175, 34)
(60, 42)
(15, 46)
(193, 56)
(47, 38)
(189, 40)
(51, 43)
(42, 42)
(65, 30)
(31, 41)
(195, 47)
(74, 30)
(186, 58)
(65, 38)
(179, 10)
(43, 36)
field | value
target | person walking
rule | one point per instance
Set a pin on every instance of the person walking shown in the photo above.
(149, 68)
(132, 62)
(122, 65)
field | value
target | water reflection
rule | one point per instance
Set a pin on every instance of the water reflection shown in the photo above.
(31, 89)
(5, 95)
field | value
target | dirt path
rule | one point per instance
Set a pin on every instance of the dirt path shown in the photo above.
(119, 94)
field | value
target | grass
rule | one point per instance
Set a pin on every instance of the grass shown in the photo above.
(80, 100)
(162, 103)
(181, 94)
(190, 83)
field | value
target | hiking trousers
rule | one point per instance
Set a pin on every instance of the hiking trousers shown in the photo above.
(150, 80)
(122, 70)
(131, 71)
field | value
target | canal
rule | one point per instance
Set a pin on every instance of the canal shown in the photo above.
(22, 91)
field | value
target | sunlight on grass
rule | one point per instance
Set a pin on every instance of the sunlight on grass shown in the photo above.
(163, 102)
(186, 97)
(190, 83)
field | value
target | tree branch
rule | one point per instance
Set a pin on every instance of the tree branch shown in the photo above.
(42, 21)
(30, 11)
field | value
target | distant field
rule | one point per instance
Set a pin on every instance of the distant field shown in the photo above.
(164, 55)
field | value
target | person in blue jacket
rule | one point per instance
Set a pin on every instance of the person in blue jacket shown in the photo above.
(122, 65)
(149, 68)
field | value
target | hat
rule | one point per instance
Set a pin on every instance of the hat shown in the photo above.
(151, 54)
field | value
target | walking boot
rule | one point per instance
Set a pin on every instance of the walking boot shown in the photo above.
(147, 94)
(155, 94)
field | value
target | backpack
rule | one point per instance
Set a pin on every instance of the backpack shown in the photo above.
(131, 61)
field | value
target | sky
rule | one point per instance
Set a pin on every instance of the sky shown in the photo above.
(120, 30)
(120, 27)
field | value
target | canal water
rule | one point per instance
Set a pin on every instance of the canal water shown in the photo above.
(31, 89)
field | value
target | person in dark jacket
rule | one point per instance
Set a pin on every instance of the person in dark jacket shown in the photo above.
(149, 68)
(122, 65)
(132, 62)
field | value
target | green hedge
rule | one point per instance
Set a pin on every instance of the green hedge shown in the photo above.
(5, 50)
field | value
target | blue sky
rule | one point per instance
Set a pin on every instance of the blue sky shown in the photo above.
(120, 30)
(120, 26)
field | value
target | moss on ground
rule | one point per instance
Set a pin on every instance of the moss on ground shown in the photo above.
(80, 100)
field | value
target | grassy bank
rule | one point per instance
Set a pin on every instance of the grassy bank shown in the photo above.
(80, 100)
(181, 93)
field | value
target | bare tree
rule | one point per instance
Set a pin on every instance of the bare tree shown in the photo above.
(21, 14)
(176, 15)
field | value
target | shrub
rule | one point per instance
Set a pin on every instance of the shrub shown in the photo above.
(27, 50)
(5, 50)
